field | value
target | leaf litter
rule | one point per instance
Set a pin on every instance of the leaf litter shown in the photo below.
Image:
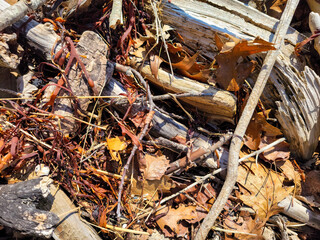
(90, 169)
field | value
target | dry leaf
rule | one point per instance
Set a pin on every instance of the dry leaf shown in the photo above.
(243, 225)
(155, 62)
(231, 74)
(149, 188)
(171, 224)
(258, 124)
(290, 173)
(261, 188)
(276, 153)
(278, 5)
(156, 166)
(115, 145)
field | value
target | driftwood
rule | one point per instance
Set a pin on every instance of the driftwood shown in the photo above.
(71, 227)
(283, 92)
(18, 208)
(294, 209)
(17, 11)
(221, 105)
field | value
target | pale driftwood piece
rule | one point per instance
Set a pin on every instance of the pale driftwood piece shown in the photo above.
(71, 227)
(299, 112)
(18, 208)
(205, 18)
(294, 209)
(220, 106)
(314, 25)
(8, 59)
(17, 11)
(116, 14)
(39, 36)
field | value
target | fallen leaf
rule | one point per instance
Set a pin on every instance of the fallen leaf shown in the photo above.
(311, 187)
(242, 226)
(155, 62)
(230, 74)
(278, 5)
(261, 188)
(148, 189)
(156, 166)
(278, 152)
(171, 223)
(257, 124)
(289, 172)
(115, 146)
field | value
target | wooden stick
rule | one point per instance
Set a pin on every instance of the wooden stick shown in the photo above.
(241, 128)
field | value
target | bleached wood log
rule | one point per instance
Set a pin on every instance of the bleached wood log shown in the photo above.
(205, 18)
(71, 226)
(220, 106)
(294, 209)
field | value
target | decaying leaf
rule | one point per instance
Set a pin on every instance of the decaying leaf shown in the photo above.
(175, 221)
(156, 166)
(149, 188)
(245, 227)
(230, 73)
(261, 188)
(276, 153)
(261, 133)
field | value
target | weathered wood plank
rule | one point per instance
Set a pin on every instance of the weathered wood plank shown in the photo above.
(198, 21)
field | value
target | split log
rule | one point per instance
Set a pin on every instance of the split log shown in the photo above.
(18, 208)
(292, 87)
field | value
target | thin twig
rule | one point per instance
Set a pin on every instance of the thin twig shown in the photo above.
(204, 178)
(241, 128)
(198, 154)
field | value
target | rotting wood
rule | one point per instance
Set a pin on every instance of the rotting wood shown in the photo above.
(18, 208)
(96, 51)
(205, 18)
